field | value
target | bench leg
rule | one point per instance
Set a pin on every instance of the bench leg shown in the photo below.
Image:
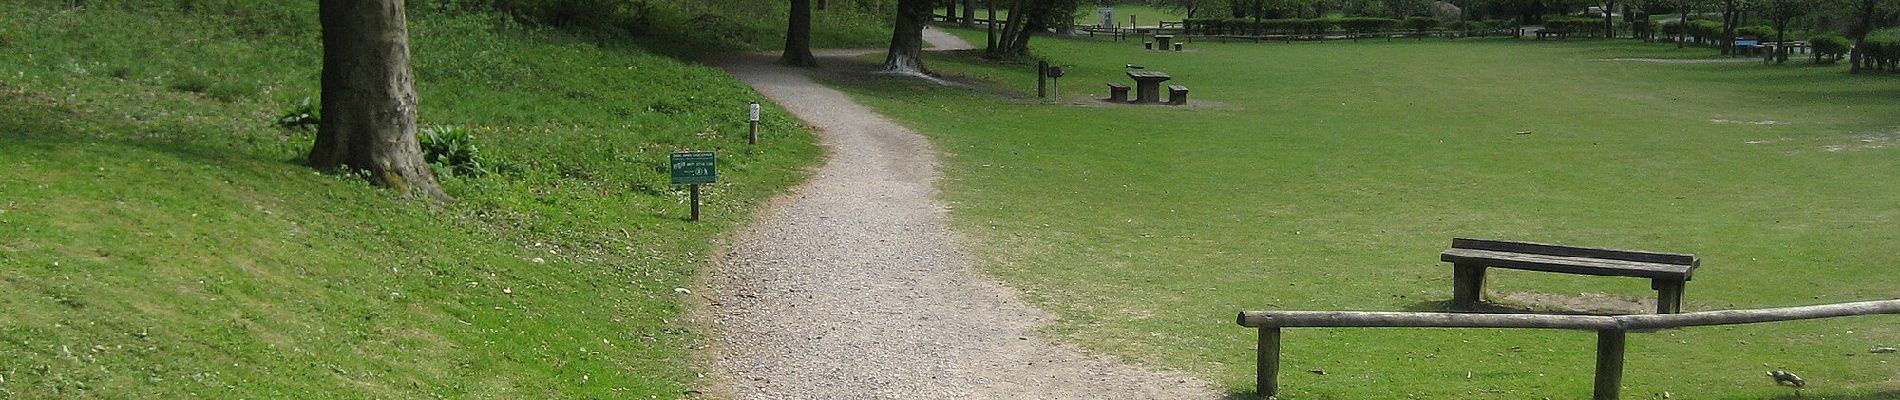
(1668, 295)
(1467, 285)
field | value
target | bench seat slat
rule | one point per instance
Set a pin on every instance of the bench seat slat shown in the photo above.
(1574, 265)
(1572, 251)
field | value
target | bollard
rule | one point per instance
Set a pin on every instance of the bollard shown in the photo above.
(752, 119)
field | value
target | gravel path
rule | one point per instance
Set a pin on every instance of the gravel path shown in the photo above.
(852, 286)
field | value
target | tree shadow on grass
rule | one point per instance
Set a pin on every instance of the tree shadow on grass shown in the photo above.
(1889, 394)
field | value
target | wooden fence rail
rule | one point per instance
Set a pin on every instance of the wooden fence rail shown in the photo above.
(1610, 330)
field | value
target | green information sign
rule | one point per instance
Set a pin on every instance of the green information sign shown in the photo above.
(693, 167)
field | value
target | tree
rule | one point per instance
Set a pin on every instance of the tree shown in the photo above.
(907, 38)
(798, 37)
(369, 98)
(969, 13)
(1780, 14)
(1865, 12)
(1609, 20)
(1027, 17)
(1682, 29)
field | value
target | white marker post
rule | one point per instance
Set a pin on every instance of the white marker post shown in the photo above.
(753, 120)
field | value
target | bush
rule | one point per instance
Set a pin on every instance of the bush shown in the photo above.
(1367, 24)
(1573, 25)
(451, 147)
(1759, 32)
(1883, 47)
(1420, 24)
(1829, 48)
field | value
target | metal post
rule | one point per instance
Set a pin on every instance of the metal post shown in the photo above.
(1267, 370)
(695, 202)
(1609, 379)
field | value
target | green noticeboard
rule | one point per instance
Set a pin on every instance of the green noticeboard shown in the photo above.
(693, 167)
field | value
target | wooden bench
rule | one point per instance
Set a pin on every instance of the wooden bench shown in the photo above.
(1117, 92)
(1469, 257)
(1177, 95)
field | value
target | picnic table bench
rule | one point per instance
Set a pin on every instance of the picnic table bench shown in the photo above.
(1667, 272)
(1148, 85)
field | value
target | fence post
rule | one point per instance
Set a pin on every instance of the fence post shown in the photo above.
(1609, 379)
(1267, 373)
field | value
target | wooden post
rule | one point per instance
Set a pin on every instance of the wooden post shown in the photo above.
(1267, 369)
(1668, 295)
(1042, 79)
(1467, 285)
(752, 121)
(695, 202)
(1609, 379)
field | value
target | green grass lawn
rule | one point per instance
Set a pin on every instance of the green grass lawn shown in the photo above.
(1327, 176)
(159, 238)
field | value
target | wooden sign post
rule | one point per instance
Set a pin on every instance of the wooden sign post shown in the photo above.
(693, 168)
(752, 119)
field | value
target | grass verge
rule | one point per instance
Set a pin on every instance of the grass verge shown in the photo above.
(159, 239)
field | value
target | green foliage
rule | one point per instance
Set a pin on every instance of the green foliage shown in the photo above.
(1830, 48)
(1883, 47)
(1421, 24)
(305, 114)
(1574, 25)
(1367, 24)
(1759, 32)
(453, 148)
(687, 28)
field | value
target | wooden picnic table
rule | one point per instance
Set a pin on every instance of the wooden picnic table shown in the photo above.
(1148, 85)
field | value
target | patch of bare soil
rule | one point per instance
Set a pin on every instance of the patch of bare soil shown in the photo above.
(1581, 303)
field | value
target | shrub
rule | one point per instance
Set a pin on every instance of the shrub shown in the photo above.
(1573, 25)
(1883, 47)
(1420, 24)
(1829, 48)
(1367, 24)
(451, 147)
(1703, 28)
(1759, 32)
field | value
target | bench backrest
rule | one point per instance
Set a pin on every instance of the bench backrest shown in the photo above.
(1570, 251)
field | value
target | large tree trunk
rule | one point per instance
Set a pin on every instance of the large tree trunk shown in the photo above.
(1000, 48)
(1609, 22)
(1730, 18)
(1682, 27)
(992, 25)
(950, 11)
(1858, 55)
(907, 38)
(969, 13)
(369, 98)
(798, 37)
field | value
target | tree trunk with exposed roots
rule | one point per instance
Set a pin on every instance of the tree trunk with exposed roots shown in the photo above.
(798, 37)
(907, 38)
(369, 97)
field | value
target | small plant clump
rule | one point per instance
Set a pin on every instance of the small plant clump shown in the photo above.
(452, 147)
(302, 115)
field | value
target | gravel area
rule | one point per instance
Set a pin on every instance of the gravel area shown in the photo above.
(852, 286)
